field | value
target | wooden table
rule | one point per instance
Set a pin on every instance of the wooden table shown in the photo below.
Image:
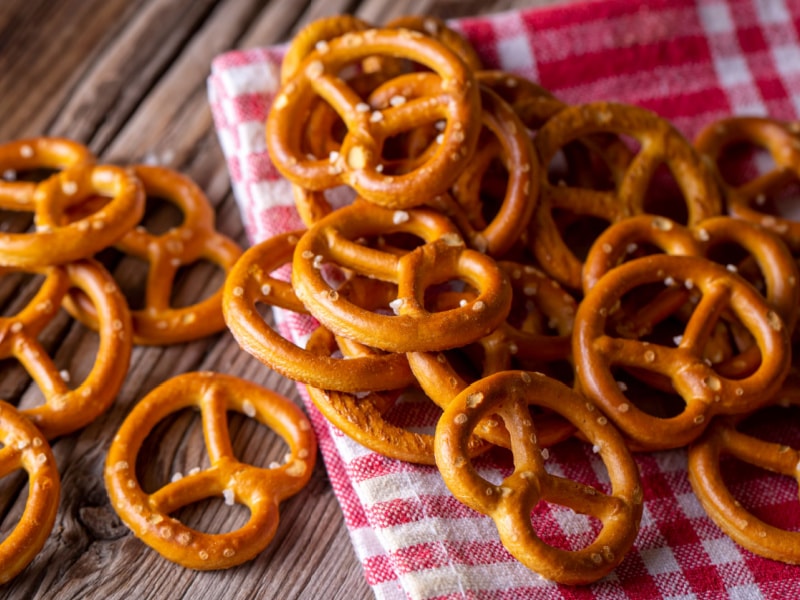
(127, 78)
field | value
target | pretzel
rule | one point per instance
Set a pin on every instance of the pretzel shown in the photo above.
(765, 250)
(159, 323)
(661, 144)
(31, 154)
(261, 490)
(57, 240)
(441, 259)
(66, 410)
(24, 448)
(723, 438)
(438, 29)
(508, 394)
(744, 201)
(538, 303)
(250, 282)
(359, 160)
(704, 390)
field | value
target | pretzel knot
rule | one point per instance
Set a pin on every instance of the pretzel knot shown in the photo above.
(58, 239)
(661, 144)
(359, 159)
(261, 490)
(724, 439)
(250, 283)
(24, 448)
(158, 322)
(510, 503)
(705, 391)
(442, 259)
(66, 410)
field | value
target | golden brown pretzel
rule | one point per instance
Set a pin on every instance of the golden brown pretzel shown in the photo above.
(57, 240)
(743, 200)
(261, 490)
(49, 153)
(360, 156)
(723, 438)
(194, 239)
(442, 259)
(67, 409)
(438, 29)
(706, 392)
(510, 503)
(250, 282)
(660, 143)
(24, 448)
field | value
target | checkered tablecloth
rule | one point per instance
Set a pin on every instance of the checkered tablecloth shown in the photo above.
(692, 61)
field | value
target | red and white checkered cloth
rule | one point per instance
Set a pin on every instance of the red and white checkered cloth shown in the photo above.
(691, 61)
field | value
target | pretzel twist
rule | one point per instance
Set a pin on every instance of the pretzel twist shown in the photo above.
(441, 259)
(361, 151)
(261, 490)
(705, 391)
(723, 438)
(24, 448)
(660, 143)
(510, 503)
(66, 410)
(57, 240)
(250, 282)
(196, 238)
(743, 201)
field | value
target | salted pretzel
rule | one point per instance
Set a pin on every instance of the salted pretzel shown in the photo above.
(68, 409)
(661, 144)
(441, 259)
(24, 448)
(194, 239)
(724, 438)
(251, 282)
(769, 256)
(57, 239)
(704, 390)
(260, 489)
(360, 155)
(33, 154)
(507, 394)
(439, 30)
(745, 200)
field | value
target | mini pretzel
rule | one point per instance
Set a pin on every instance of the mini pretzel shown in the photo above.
(52, 153)
(56, 239)
(194, 239)
(509, 504)
(722, 438)
(441, 259)
(705, 391)
(661, 144)
(250, 282)
(66, 410)
(438, 29)
(261, 490)
(358, 163)
(781, 142)
(24, 448)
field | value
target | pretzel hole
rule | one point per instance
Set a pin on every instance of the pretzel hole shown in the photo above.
(196, 282)
(130, 273)
(411, 410)
(781, 201)
(650, 392)
(12, 221)
(578, 231)
(577, 165)
(664, 196)
(255, 443)
(173, 448)
(742, 161)
(213, 515)
(769, 496)
(14, 491)
(161, 215)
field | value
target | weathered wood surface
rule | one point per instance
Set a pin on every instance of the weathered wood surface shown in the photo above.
(127, 77)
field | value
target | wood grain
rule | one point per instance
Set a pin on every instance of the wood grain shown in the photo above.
(128, 78)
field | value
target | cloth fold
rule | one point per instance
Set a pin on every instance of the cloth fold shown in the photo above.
(691, 61)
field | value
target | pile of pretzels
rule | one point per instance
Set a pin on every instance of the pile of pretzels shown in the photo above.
(537, 270)
(79, 208)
